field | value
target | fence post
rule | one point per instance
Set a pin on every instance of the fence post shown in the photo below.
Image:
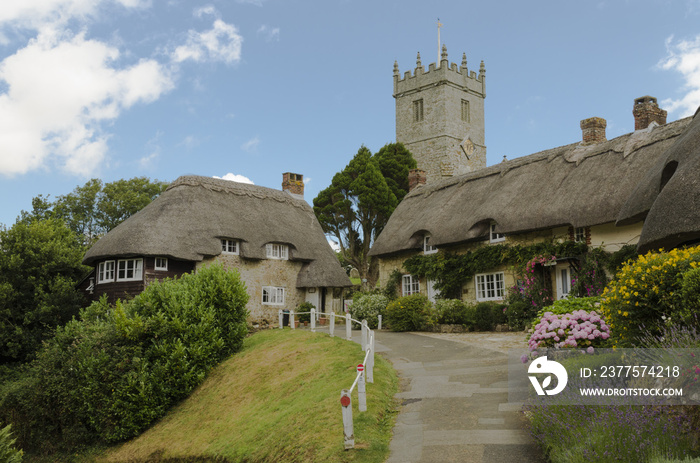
(361, 393)
(332, 327)
(313, 320)
(291, 319)
(369, 368)
(280, 319)
(348, 431)
(379, 326)
(348, 327)
(363, 339)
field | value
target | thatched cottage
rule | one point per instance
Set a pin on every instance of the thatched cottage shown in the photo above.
(272, 237)
(640, 188)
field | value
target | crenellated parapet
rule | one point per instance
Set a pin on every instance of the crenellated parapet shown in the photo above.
(445, 74)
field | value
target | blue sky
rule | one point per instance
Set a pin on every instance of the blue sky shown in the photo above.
(115, 89)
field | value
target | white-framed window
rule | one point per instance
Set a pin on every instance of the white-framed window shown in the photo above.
(490, 286)
(495, 237)
(563, 281)
(580, 234)
(105, 272)
(410, 285)
(161, 263)
(130, 270)
(276, 251)
(273, 295)
(427, 247)
(229, 246)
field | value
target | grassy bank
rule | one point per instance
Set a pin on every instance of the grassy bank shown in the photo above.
(277, 400)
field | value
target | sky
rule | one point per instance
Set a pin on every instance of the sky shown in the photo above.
(249, 89)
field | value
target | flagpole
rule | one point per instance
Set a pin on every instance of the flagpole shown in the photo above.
(438, 50)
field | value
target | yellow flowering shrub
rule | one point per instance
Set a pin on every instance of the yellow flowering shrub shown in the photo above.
(648, 292)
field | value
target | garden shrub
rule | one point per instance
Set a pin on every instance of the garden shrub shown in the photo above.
(648, 291)
(8, 453)
(519, 314)
(578, 329)
(454, 312)
(590, 278)
(304, 307)
(368, 306)
(408, 313)
(690, 290)
(110, 374)
(498, 310)
(569, 305)
(484, 316)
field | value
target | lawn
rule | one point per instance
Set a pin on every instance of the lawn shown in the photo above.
(276, 400)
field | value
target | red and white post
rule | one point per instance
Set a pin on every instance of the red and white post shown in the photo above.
(348, 431)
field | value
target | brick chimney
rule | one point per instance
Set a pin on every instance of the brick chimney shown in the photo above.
(415, 177)
(646, 110)
(593, 130)
(294, 184)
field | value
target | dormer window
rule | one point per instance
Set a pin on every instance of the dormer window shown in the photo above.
(427, 247)
(277, 251)
(229, 247)
(495, 237)
(580, 234)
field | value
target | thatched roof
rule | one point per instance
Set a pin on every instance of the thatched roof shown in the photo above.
(668, 196)
(191, 217)
(572, 185)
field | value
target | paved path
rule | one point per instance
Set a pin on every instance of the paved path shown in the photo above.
(455, 400)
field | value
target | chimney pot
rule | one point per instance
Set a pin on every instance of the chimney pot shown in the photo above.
(646, 110)
(416, 177)
(593, 130)
(293, 183)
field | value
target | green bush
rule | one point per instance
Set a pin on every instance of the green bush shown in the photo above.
(690, 290)
(368, 306)
(519, 314)
(8, 453)
(112, 373)
(485, 316)
(453, 312)
(648, 292)
(304, 307)
(570, 305)
(408, 313)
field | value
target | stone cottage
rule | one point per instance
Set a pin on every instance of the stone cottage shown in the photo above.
(639, 188)
(270, 236)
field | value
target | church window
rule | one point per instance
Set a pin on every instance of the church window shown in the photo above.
(465, 110)
(418, 110)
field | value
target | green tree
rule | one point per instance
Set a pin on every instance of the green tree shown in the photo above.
(40, 264)
(359, 201)
(95, 208)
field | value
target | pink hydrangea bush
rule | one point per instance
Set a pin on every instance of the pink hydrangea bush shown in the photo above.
(579, 329)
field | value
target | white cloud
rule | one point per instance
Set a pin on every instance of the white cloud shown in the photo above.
(684, 57)
(251, 145)
(270, 33)
(236, 178)
(221, 43)
(34, 13)
(58, 115)
(251, 2)
(206, 10)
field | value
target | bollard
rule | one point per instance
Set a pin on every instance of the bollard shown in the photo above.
(369, 368)
(332, 327)
(348, 327)
(291, 319)
(346, 404)
(313, 320)
(361, 391)
(379, 325)
(280, 319)
(363, 338)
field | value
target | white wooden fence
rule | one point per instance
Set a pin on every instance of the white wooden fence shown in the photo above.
(365, 370)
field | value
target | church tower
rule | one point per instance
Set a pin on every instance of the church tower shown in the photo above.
(440, 116)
